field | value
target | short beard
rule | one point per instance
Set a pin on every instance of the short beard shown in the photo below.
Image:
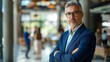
(72, 26)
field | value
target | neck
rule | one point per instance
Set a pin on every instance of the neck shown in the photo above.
(72, 28)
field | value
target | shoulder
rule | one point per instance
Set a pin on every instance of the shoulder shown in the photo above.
(88, 34)
(65, 33)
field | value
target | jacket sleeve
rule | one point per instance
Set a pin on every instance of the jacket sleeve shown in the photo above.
(51, 56)
(86, 49)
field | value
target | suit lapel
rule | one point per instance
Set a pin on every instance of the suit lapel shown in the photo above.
(65, 40)
(76, 35)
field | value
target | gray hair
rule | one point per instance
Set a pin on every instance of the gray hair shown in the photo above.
(71, 3)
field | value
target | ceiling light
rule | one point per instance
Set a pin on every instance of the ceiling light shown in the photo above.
(105, 23)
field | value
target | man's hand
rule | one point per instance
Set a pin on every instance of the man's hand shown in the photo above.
(74, 50)
(56, 52)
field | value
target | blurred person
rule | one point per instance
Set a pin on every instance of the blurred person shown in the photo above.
(34, 38)
(78, 43)
(38, 43)
(27, 41)
(104, 38)
(60, 30)
(98, 36)
(35, 29)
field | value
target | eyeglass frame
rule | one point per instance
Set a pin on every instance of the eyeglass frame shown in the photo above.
(75, 13)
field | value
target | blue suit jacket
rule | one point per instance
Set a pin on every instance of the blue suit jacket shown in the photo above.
(83, 39)
(26, 38)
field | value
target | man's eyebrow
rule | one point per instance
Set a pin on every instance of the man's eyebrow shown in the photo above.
(74, 11)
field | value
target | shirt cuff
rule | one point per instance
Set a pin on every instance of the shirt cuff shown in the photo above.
(57, 56)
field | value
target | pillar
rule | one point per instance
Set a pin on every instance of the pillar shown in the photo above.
(8, 31)
(1, 46)
(15, 29)
(96, 21)
(59, 9)
(86, 10)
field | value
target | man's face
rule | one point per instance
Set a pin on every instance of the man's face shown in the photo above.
(74, 15)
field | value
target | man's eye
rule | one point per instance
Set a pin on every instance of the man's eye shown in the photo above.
(76, 12)
(69, 13)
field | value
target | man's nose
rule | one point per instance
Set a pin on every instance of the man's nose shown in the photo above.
(72, 16)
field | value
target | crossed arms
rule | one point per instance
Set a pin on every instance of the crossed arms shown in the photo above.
(72, 51)
(85, 49)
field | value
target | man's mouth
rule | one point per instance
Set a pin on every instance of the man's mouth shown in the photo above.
(73, 20)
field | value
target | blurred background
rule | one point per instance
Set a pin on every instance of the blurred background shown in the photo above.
(48, 15)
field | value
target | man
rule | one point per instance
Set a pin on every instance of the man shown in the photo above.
(78, 43)
(104, 38)
(27, 42)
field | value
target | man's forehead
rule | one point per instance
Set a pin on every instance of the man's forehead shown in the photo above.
(72, 8)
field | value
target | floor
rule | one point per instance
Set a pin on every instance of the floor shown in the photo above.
(45, 55)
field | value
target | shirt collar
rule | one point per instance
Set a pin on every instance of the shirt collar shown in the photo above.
(75, 29)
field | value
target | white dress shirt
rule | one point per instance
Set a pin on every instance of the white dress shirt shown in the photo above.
(71, 34)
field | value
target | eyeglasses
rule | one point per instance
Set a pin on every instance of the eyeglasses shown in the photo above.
(75, 13)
